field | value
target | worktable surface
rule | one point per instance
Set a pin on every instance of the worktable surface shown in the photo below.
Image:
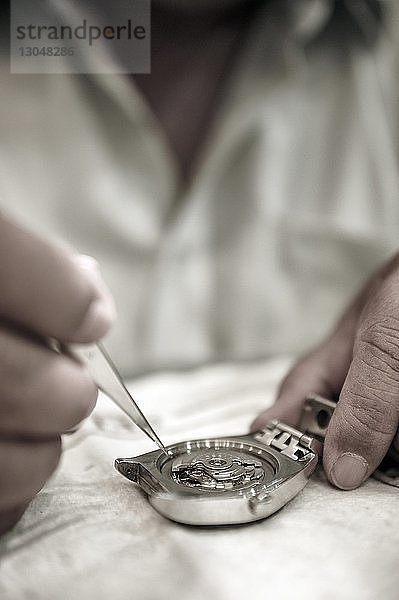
(90, 534)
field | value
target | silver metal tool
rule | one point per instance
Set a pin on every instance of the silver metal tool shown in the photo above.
(109, 381)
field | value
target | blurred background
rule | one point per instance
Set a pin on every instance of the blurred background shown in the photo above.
(236, 196)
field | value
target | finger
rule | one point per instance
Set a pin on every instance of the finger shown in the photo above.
(322, 372)
(42, 391)
(366, 418)
(24, 468)
(42, 288)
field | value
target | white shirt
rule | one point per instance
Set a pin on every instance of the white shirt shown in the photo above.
(293, 204)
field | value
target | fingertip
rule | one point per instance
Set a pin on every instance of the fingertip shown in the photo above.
(100, 314)
(96, 322)
(347, 471)
(49, 291)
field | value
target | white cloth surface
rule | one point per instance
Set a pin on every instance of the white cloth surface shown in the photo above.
(292, 204)
(90, 534)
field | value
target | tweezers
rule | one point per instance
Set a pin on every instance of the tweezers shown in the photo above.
(109, 381)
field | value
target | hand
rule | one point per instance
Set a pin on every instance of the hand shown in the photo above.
(359, 363)
(44, 293)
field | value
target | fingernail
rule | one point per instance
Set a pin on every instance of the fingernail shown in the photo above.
(348, 471)
(101, 312)
(91, 270)
(98, 320)
(88, 264)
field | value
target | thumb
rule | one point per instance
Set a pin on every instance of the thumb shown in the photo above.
(366, 418)
(49, 292)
